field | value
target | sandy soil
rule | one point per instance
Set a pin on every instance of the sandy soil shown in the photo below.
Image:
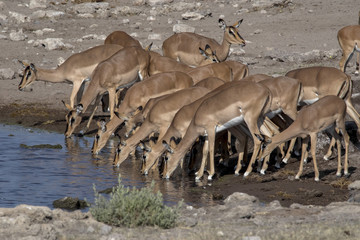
(276, 36)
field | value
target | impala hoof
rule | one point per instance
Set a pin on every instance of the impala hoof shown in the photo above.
(338, 174)
(297, 177)
(317, 179)
(237, 174)
(277, 165)
(326, 158)
(210, 177)
(246, 174)
(285, 160)
(262, 172)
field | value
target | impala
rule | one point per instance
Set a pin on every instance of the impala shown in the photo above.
(76, 69)
(244, 101)
(349, 41)
(319, 82)
(160, 63)
(122, 38)
(119, 71)
(327, 113)
(136, 97)
(160, 115)
(183, 47)
(179, 125)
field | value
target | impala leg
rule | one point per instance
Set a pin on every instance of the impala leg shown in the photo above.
(313, 139)
(205, 152)
(290, 149)
(211, 142)
(338, 172)
(304, 145)
(75, 90)
(265, 165)
(257, 144)
(94, 108)
(112, 100)
(329, 151)
(346, 137)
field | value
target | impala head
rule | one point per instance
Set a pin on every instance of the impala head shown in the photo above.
(118, 159)
(168, 156)
(231, 33)
(73, 119)
(266, 146)
(28, 76)
(209, 55)
(99, 140)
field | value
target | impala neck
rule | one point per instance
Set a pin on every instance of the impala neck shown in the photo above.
(49, 75)
(222, 51)
(292, 131)
(90, 94)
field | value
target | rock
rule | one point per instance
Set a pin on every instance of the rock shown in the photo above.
(126, 11)
(85, 8)
(17, 36)
(70, 203)
(46, 14)
(240, 199)
(37, 4)
(354, 185)
(355, 197)
(52, 44)
(7, 73)
(3, 18)
(18, 17)
(3, 37)
(192, 16)
(177, 28)
(265, 3)
(158, 2)
(154, 36)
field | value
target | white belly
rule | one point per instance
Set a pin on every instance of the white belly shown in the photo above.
(310, 101)
(233, 122)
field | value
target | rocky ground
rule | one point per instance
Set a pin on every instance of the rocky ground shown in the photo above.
(281, 35)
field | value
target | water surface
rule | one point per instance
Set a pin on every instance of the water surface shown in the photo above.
(40, 176)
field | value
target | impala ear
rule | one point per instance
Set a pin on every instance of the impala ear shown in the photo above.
(32, 66)
(167, 146)
(79, 108)
(202, 52)
(67, 105)
(144, 147)
(148, 48)
(175, 140)
(222, 24)
(102, 125)
(24, 64)
(238, 23)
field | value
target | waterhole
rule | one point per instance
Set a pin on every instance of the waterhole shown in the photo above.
(40, 175)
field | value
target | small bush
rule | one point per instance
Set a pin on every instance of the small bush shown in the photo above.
(133, 207)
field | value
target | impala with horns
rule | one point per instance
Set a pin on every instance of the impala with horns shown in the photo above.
(119, 71)
(179, 125)
(136, 97)
(76, 69)
(160, 116)
(122, 38)
(349, 41)
(242, 101)
(327, 113)
(184, 47)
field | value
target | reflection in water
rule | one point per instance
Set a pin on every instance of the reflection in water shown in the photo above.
(40, 176)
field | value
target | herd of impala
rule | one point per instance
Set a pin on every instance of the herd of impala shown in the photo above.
(191, 97)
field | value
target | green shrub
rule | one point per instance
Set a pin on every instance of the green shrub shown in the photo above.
(133, 207)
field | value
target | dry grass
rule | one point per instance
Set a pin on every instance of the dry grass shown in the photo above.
(342, 183)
